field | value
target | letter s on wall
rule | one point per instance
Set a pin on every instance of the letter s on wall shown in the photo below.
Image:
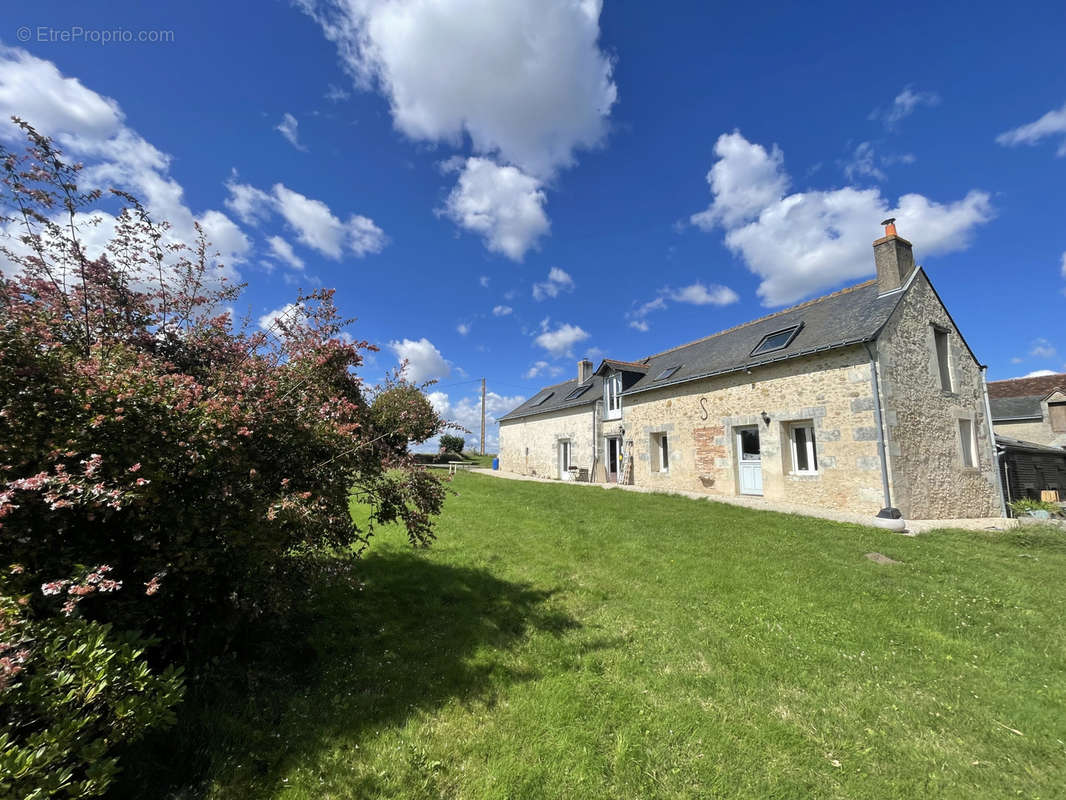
(703, 405)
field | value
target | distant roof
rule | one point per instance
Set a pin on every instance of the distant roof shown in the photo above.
(558, 398)
(1023, 387)
(846, 317)
(1008, 443)
(1015, 407)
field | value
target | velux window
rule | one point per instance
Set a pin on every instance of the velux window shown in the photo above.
(580, 390)
(778, 340)
(541, 401)
(668, 372)
(612, 395)
(804, 448)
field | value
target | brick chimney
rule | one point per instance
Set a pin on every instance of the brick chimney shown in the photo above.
(584, 370)
(894, 258)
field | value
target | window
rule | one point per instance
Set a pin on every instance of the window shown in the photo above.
(580, 390)
(666, 373)
(967, 443)
(943, 360)
(660, 453)
(1057, 414)
(804, 449)
(778, 340)
(564, 457)
(612, 400)
(541, 401)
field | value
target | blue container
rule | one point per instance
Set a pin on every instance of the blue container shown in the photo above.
(495, 463)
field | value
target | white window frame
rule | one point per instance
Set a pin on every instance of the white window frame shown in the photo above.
(810, 448)
(566, 449)
(660, 445)
(612, 396)
(967, 443)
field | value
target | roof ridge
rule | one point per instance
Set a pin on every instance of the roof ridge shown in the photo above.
(804, 304)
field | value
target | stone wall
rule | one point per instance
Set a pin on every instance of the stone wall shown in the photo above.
(530, 445)
(929, 480)
(700, 418)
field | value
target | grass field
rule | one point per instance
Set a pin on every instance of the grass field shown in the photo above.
(568, 642)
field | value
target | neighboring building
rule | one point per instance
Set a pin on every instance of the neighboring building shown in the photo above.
(862, 399)
(1030, 468)
(1030, 409)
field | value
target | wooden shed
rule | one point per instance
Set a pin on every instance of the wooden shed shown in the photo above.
(1027, 468)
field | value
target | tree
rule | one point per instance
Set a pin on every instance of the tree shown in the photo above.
(204, 468)
(451, 443)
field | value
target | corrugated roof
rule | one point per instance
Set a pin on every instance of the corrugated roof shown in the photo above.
(1008, 443)
(558, 401)
(1015, 407)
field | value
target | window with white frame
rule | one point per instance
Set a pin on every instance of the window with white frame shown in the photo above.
(804, 448)
(660, 452)
(967, 443)
(612, 396)
(943, 356)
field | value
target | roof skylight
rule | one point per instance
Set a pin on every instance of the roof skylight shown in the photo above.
(778, 340)
(668, 372)
(544, 399)
(580, 390)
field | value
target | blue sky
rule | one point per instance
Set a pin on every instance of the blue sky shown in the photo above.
(499, 188)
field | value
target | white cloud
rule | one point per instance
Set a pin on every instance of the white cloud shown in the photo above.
(1064, 265)
(560, 341)
(424, 360)
(1042, 348)
(904, 104)
(502, 204)
(1040, 373)
(525, 79)
(463, 328)
(863, 163)
(699, 295)
(288, 314)
(336, 94)
(92, 129)
(1053, 124)
(315, 225)
(542, 367)
(283, 250)
(289, 128)
(501, 311)
(484, 281)
(466, 411)
(744, 180)
(803, 242)
(558, 281)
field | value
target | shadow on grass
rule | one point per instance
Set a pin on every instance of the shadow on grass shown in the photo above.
(413, 636)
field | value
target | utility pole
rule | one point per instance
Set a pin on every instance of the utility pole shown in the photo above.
(482, 416)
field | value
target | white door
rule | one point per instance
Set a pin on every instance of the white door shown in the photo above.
(564, 459)
(749, 460)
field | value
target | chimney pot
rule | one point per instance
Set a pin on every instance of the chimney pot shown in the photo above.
(584, 370)
(894, 257)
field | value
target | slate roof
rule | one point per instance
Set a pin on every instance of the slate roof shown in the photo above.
(558, 401)
(850, 316)
(1024, 387)
(1015, 407)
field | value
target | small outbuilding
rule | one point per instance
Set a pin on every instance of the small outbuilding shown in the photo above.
(1027, 468)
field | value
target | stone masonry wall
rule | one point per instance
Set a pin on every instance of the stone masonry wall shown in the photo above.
(530, 445)
(832, 390)
(929, 480)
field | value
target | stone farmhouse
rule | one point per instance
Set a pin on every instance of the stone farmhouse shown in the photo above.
(865, 399)
(1031, 409)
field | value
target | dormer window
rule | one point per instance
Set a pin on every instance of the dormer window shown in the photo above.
(612, 396)
(778, 340)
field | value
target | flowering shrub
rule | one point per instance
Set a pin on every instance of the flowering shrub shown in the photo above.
(160, 470)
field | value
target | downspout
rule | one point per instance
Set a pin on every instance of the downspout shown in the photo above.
(595, 444)
(992, 440)
(880, 429)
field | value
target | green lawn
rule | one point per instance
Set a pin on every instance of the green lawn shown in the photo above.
(568, 642)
